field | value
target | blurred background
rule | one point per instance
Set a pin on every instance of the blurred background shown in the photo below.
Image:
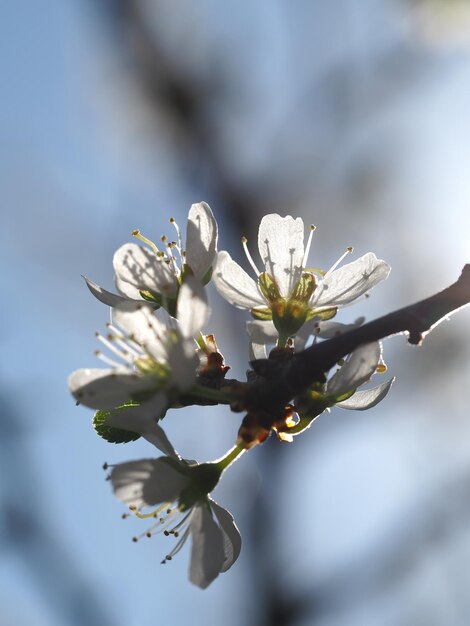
(118, 114)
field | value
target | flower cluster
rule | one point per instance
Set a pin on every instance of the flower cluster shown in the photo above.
(158, 358)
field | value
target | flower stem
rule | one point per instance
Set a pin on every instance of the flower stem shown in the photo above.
(208, 393)
(231, 456)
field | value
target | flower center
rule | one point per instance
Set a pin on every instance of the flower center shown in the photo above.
(176, 262)
(131, 354)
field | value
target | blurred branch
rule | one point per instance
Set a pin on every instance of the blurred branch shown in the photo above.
(187, 103)
(432, 520)
(72, 596)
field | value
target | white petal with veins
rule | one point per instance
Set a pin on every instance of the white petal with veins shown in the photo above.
(201, 239)
(105, 388)
(281, 246)
(350, 281)
(234, 284)
(138, 268)
(366, 399)
(207, 551)
(358, 368)
(231, 535)
(147, 482)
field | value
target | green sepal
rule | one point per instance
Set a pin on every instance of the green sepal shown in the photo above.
(207, 276)
(109, 433)
(151, 296)
(262, 313)
(186, 272)
(343, 396)
(322, 314)
(203, 479)
(268, 287)
(304, 287)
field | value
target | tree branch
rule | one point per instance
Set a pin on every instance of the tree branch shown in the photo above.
(278, 382)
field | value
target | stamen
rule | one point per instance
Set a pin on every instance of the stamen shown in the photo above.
(179, 545)
(172, 259)
(112, 348)
(178, 233)
(136, 233)
(249, 257)
(307, 248)
(106, 359)
(123, 341)
(349, 249)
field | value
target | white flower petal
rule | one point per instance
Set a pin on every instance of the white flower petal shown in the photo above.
(142, 420)
(333, 329)
(183, 361)
(261, 334)
(281, 246)
(358, 368)
(325, 330)
(366, 399)
(106, 297)
(192, 309)
(231, 535)
(207, 551)
(147, 482)
(105, 388)
(201, 239)
(234, 284)
(139, 268)
(138, 322)
(350, 281)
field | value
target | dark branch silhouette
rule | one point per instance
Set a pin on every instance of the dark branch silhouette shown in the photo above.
(278, 382)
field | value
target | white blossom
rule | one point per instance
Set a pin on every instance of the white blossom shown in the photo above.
(287, 290)
(152, 360)
(342, 389)
(155, 274)
(184, 509)
(357, 370)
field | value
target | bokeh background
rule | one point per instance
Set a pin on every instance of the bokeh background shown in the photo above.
(118, 114)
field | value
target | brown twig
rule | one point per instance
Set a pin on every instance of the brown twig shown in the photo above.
(279, 382)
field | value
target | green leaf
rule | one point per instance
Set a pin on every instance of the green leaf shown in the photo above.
(113, 435)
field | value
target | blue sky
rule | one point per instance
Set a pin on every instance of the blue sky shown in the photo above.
(80, 171)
